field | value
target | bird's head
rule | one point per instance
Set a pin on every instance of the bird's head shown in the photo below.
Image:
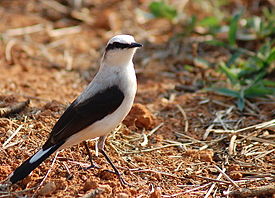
(120, 50)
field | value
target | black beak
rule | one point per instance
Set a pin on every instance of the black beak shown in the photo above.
(132, 45)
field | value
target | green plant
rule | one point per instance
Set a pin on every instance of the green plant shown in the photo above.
(247, 77)
(161, 9)
(261, 27)
(246, 70)
(249, 42)
(233, 27)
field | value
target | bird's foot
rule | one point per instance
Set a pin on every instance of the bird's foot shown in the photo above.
(121, 179)
(91, 166)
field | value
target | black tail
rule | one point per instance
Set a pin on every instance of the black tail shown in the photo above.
(29, 165)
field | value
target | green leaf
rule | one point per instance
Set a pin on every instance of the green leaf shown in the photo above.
(268, 83)
(240, 103)
(209, 21)
(271, 57)
(161, 9)
(233, 58)
(216, 43)
(225, 91)
(257, 90)
(189, 68)
(258, 77)
(202, 61)
(232, 76)
(232, 34)
(264, 50)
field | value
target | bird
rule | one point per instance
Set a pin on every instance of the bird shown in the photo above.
(99, 109)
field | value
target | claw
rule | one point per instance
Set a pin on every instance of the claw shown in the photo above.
(122, 181)
(91, 166)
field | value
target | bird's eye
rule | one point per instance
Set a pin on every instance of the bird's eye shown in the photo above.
(117, 45)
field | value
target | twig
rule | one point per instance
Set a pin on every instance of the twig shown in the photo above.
(68, 170)
(83, 16)
(6, 111)
(186, 125)
(12, 144)
(178, 167)
(187, 191)
(249, 110)
(8, 48)
(56, 6)
(226, 113)
(252, 180)
(42, 182)
(155, 129)
(68, 58)
(214, 184)
(8, 194)
(24, 30)
(213, 180)
(12, 135)
(145, 140)
(171, 175)
(226, 176)
(257, 126)
(220, 103)
(27, 96)
(64, 31)
(75, 162)
(145, 137)
(210, 128)
(255, 192)
(152, 149)
(153, 171)
(192, 139)
(265, 153)
(252, 106)
(258, 139)
(232, 145)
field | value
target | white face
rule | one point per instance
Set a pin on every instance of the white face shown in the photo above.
(120, 50)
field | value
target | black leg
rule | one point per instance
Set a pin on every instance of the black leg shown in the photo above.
(122, 181)
(101, 144)
(93, 165)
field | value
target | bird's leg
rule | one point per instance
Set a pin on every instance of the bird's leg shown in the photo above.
(101, 149)
(93, 165)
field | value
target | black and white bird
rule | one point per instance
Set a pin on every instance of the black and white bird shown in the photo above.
(97, 111)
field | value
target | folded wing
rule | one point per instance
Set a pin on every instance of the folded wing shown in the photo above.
(78, 116)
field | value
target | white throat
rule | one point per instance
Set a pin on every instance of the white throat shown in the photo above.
(118, 57)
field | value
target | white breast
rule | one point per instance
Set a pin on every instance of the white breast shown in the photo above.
(126, 80)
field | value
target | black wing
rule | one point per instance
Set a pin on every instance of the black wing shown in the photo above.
(80, 116)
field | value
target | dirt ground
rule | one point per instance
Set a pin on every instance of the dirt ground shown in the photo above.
(176, 142)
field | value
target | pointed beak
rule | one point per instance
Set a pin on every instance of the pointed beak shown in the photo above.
(133, 45)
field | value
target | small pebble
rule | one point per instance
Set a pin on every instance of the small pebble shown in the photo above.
(90, 184)
(156, 193)
(236, 175)
(122, 195)
(47, 189)
(158, 176)
(206, 155)
(105, 188)
(106, 175)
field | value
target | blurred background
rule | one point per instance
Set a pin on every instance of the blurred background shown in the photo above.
(205, 72)
(201, 41)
